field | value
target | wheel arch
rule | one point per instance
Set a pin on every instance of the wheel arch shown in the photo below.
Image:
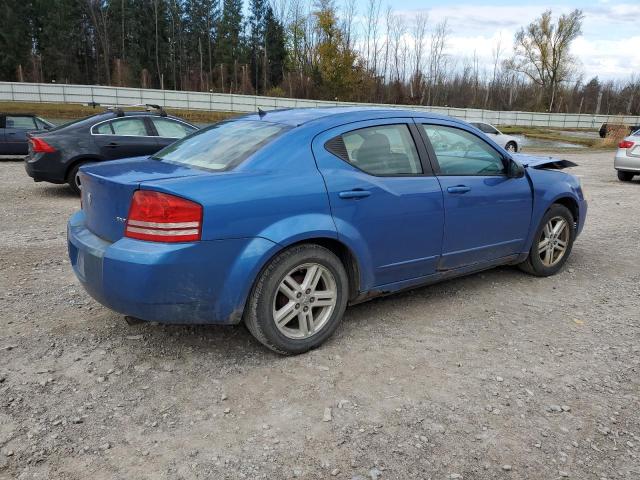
(80, 159)
(571, 204)
(340, 249)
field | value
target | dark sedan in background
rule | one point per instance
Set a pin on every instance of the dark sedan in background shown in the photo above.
(56, 155)
(13, 132)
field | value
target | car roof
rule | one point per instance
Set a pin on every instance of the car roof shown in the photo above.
(337, 115)
(112, 115)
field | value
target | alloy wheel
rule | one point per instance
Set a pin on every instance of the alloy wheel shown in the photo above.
(304, 301)
(554, 241)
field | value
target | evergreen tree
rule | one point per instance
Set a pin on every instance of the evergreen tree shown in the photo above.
(276, 48)
(229, 50)
(15, 38)
(257, 29)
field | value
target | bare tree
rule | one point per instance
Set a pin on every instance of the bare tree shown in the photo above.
(371, 34)
(419, 35)
(437, 59)
(541, 51)
(497, 53)
(349, 13)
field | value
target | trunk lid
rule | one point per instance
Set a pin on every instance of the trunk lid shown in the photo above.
(107, 189)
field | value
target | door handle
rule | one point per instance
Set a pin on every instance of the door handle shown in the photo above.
(458, 189)
(355, 193)
(112, 145)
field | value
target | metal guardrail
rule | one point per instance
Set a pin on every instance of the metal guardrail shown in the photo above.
(83, 94)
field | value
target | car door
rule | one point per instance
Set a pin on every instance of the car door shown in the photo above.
(386, 203)
(15, 133)
(487, 213)
(124, 137)
(169, 130)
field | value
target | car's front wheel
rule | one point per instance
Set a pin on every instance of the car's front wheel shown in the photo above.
(511, 147)
(299, 299)
(625, 176)
(552, 243)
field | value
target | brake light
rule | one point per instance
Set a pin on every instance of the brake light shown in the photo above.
(626, 144)
(160, 217)
(38, 145)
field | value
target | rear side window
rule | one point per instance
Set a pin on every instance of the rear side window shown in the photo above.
(171, 128)
(485, 127)
(221, 146)
(21, 123)
(129, 126)
(380, 150)
(103, 129)
(459, 152)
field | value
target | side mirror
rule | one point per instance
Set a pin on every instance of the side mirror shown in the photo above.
(514, 169)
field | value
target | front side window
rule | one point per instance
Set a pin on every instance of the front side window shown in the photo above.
(171, 129)
(21, 123)
(459, 152)
(221, 146)
(382, 150)
(129, 127)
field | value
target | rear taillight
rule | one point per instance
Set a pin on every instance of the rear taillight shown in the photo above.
(38, 145)
(626, 144)
(160, 217)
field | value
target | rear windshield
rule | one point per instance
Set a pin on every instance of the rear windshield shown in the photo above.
(221, 146)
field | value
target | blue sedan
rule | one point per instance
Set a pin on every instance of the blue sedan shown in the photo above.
(282, 219)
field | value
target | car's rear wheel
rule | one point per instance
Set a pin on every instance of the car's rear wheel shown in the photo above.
(73, 178)
(552, 243)
(299, 299)
(511, 147)
(625, 176)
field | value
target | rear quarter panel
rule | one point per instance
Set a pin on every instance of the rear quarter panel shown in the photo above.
(277, 194)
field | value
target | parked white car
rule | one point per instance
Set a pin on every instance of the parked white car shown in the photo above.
(627, 161)
(508, 142)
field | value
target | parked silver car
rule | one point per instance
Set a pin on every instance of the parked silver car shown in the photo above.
(508, 142)
(627, 161)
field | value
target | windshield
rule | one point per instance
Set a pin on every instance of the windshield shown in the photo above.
(221, 146)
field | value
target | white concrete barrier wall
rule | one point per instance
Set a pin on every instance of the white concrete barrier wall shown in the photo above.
(83, 94)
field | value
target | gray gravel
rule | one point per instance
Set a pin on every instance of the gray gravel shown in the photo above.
(497, 375)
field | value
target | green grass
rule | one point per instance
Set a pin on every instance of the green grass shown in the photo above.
(556, 135)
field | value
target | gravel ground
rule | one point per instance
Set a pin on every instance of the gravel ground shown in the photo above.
(497, 375)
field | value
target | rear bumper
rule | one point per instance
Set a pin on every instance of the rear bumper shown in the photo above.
(626, 163)
(45, 167)
(188, 283)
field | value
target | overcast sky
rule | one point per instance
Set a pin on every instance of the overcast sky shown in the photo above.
(609, 46)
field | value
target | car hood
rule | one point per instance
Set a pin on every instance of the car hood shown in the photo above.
(533, 161)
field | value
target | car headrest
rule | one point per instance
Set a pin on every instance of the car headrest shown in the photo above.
(375, 144)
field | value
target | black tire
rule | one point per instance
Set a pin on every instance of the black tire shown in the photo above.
(625, 176)
(511, 147)
(73, 180)
(258, 315)
(533, 264)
